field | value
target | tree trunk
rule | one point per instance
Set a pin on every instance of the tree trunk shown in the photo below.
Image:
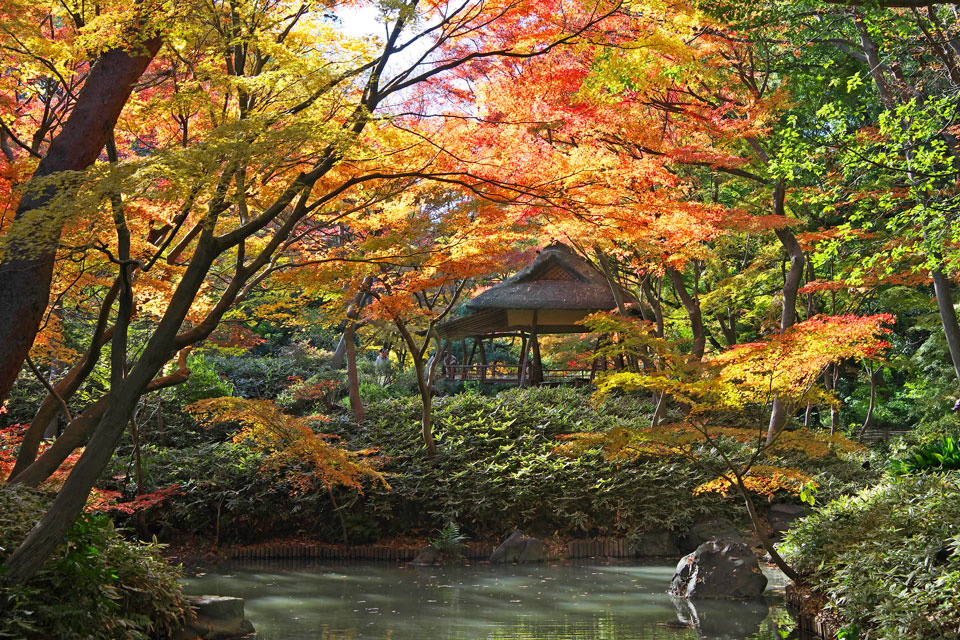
(525, 363)
(80, 428)
(611, 282)
(872, 372)
(941, 285)
(830, 377)
(27, 266)
(692, 305)
(948, 317)
(360, 300)
(67, 386)
(780, 412)
(763, 534)
(353, 379)
(49, 533)
(661, 401)
(423, 386)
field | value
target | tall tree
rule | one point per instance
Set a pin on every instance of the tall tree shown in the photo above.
(296, 107)
(31, 242)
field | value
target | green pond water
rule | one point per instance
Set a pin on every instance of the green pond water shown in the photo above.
(553, 601)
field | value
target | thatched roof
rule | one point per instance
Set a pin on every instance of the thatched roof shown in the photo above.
(560, 284)
(557, 279)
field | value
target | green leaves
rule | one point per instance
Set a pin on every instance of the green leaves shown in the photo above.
(935, 457)
(884, 557)
(117, 590)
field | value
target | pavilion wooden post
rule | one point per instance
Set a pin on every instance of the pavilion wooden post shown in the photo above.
(523, 357)
(466, 360)
(445, 352)
(536, 375)
(483, 360)
(524, 361)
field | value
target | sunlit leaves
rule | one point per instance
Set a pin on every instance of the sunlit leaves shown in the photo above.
(290, 444)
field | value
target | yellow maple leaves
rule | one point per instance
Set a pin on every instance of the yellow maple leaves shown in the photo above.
(290, 443)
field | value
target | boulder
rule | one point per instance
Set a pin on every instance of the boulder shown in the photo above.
(783, 515)
(719, 570)
(706, 530)
(215, 618)
(533, 551)
(429, 555)
(660, 543)
(518, 548)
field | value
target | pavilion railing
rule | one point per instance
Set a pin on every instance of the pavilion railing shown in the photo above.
(507, 373)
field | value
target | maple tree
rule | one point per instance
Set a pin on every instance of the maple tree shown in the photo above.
(288, 439)
(730, 174)
(189, 231)
(784, 368)
(62, 108)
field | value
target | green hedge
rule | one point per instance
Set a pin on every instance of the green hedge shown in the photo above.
(888, 558)
(496, 469)
(118, 590)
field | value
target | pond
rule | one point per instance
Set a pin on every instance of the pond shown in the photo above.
(574, 600)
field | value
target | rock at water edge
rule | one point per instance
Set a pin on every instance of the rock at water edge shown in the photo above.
(719, 570)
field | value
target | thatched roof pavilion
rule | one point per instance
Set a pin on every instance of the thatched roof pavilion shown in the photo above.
(550, 295)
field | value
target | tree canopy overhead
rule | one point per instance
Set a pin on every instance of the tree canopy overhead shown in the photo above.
(763, 178)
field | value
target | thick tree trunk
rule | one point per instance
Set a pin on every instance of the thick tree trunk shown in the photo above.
(49, 533)
(27, 267)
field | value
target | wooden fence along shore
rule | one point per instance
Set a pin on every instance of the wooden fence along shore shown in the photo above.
(618, 548)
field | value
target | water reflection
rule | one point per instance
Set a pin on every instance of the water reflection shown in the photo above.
(575, 601)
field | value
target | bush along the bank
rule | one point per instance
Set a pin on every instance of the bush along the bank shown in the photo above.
(118, 590)
(496, 469)
(888, 559)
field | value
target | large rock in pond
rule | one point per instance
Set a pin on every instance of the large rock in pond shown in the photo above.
(519, 548)
(215, 618)
(660, 543)
(429, 555)
(783, 515)
(719, 570)
(719, 530)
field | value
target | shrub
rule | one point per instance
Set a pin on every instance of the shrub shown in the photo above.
(318, 393)
(223, 490)
(887, 558)
(496, 468)
(204, 381)
(265, 376)
(937, 456)
(119, 590)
